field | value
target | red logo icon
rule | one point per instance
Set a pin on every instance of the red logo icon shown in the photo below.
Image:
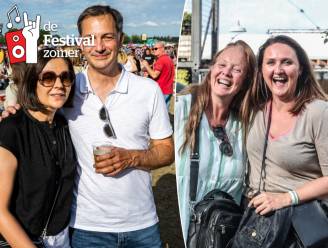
(16, 44)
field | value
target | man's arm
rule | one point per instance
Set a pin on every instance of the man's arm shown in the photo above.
(154, 74)
(160, 153)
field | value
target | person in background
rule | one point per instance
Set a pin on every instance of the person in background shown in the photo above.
(162, 71)
(131, 64)
(136, 58)
(216, 110)
(17, 75)
(148, 56)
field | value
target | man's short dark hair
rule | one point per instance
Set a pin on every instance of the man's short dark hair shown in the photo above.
(27, 95)
(98, 10)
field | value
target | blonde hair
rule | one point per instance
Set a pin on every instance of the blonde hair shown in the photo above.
(122, 57)
(202, 93)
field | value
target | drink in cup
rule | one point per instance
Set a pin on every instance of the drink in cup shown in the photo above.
(101, 148)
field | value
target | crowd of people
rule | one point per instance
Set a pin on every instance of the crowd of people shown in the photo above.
(138, 59)
(262, 126)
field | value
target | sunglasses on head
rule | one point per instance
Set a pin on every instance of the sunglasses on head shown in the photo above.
(48, 78)
(225, 146)
(108, 128)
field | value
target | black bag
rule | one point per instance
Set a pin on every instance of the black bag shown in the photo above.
(311, 224)
(215, 219)
(257, 231)
(300, 226)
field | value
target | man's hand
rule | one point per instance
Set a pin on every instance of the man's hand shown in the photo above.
(159, 154)
(154, 74)
(144, 63)
(113, 163)
(10, 110)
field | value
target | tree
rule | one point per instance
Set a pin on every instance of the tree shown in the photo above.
(136, 39)
(186, 24)
(127, 39)
(2, 40)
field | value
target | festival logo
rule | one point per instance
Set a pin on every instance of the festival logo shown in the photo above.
(22, 44)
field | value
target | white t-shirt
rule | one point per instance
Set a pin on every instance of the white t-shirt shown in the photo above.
(294, 158)
(138, 113)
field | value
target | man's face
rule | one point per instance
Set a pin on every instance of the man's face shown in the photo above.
(158, 50)
(103, 55)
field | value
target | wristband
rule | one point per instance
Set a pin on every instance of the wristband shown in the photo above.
(294, 197)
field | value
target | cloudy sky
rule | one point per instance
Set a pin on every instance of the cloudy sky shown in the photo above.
(257, 16)
(153, 17)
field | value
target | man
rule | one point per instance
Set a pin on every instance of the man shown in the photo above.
(163, 71)
(113, 203)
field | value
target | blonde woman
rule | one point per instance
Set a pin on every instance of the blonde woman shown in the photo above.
(216, 110)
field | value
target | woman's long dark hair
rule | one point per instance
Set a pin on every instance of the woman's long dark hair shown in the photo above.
(307, 88)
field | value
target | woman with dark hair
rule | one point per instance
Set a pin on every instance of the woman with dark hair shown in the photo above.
(148, 56)
(216, 111)
(296, 159)
(38, 159)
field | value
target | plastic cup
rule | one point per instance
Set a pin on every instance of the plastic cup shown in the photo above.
(101, 148)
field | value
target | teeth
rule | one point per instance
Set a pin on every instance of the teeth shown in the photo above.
(280, 79)
(224, 82)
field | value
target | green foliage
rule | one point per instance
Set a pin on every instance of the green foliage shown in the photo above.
(2, 40)
(183, 76)
(127, 39)
(186, 24)
(136, 38)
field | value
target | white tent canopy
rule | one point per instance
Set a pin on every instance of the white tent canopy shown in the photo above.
(312, 43)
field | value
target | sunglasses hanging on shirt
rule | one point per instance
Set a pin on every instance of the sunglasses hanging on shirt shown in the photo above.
(108, 128)
(225, 146)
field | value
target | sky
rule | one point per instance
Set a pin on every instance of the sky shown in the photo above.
(152, 17)
(257, 16)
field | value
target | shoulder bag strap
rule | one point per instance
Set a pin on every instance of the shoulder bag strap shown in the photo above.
(194, 159)
(45, 229)
(262, 175)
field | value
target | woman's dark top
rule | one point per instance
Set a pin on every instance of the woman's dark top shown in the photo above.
(45, 159)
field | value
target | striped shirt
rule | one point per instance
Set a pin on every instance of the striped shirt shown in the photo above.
(216, 171)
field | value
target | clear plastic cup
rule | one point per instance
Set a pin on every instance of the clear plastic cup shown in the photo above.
(101, 148)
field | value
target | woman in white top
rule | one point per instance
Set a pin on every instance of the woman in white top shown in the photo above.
(216, 110)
